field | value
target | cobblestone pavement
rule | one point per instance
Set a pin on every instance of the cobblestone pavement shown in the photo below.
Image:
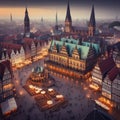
(79, 105)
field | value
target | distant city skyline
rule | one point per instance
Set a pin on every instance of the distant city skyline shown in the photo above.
(104, 9)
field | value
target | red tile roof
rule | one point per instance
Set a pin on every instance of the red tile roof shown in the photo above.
(106, 65)
(10, 46)
(8, 38)
(28, 42)
(3, 65)
(113, 73)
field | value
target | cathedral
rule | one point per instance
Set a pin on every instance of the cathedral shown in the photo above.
(73, 29)
(70, 57)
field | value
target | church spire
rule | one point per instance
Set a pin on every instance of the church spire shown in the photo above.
(92, 23)
(26, 11)
(68, 19)
(56, 26)
(26, 22)
(56, 19)
(10, 17)
(68, 14)
(92, 17)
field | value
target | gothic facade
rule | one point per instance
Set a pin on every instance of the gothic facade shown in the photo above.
(69, 58)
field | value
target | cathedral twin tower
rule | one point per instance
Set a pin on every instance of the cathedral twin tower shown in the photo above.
(68, 22)
(91, 24)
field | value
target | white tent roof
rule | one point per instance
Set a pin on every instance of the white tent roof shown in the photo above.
(8, 106)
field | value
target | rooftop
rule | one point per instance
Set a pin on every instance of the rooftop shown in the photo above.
(3, 65)
(108, 67)
(71, 44)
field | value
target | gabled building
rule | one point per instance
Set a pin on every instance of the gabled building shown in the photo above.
(97, 76)
(116, 54)
(33, 47)
(111, 85)
(18, 53)
(13, 52)
(18, 56)
(29, 47)
(7, 90)
(107, 76)
(69, 58)
(6, 84)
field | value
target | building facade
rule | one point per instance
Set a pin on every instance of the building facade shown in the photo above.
(97, 75)
(69, 58)
(6, 84)
(18, 56)
(13, 52)
(116, 54)
(107, 76)
(17, 53)
(33, 47)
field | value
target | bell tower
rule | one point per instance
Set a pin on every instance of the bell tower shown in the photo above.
(68, 20)
(56, 25)
(26, 22)
(92, 23)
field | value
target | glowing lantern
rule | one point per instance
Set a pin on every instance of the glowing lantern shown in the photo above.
(49, 102)
(43, 92)
(50, 89)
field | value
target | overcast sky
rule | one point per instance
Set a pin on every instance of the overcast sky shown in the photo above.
(108, 3)
(47, 8)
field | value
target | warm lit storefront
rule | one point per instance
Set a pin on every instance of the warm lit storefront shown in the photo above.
(7, 90)
(105, 75)
(105, 103)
